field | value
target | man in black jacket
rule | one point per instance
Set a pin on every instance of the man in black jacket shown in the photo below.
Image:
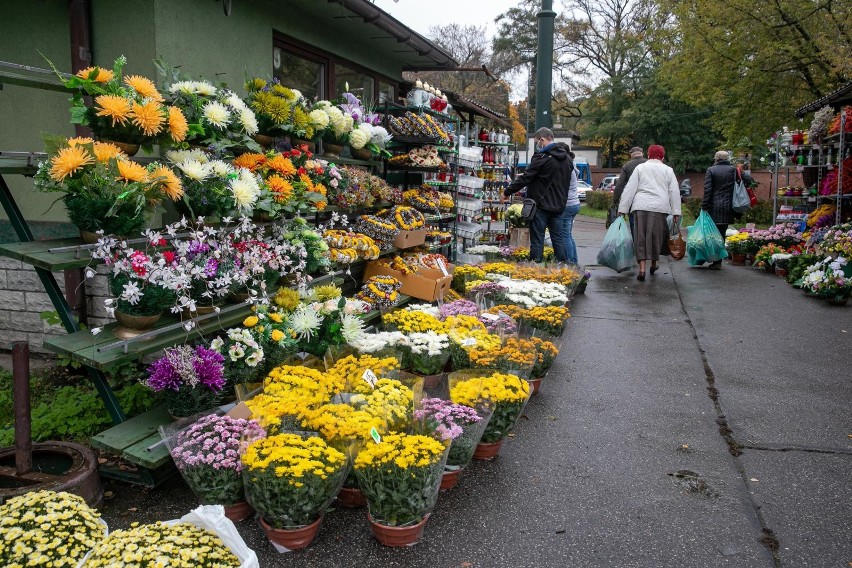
(546, 178)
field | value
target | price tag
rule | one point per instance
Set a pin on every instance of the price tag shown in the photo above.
(750, 226)
(470, 341)
(374, 434)
(442, 267)
(490, 317)
(370, 377)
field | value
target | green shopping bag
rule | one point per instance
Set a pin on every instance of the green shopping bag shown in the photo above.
(617, 248)
(703, 241)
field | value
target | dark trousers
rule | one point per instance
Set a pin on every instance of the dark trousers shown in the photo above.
(722, 230)
(552, 221)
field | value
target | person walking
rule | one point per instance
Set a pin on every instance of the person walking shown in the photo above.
(718, 198)
(636, 158)
(651, 194)
(546, 180)
(572, 207)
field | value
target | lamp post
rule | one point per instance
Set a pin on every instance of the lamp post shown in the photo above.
(544, 65)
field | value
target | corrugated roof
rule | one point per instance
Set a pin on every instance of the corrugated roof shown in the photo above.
(836, 99)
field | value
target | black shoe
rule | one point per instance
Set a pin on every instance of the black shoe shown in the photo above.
(641, 277)
(654, 269)
(715, 265)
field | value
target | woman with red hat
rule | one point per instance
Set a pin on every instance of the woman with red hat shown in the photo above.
(652, 194)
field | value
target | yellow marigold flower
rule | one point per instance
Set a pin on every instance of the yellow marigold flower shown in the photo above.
(282, 165)
(250, 161)
(171, 184)
(103, 75)
(148, 117)
(116, 108)
(178, 126)
(131, 171)
(105, 151)
(144, 86)
(251, 321)
(282, 190)
(68, 161)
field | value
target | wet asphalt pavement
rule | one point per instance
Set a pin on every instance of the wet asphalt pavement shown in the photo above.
(697, 419)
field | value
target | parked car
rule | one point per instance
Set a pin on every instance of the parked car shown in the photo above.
(685, 188)
(582, 188)
(608, 182)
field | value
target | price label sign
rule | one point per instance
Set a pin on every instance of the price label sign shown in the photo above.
(490, 317)
(469, 342)
(370, 377)
(374, 434)
(442, 267)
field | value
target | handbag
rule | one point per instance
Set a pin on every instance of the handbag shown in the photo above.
(677, 246)
(741, 202)
(752, 197)
(529, 208)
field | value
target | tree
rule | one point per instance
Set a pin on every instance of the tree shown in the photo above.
(754, 63)
(517, 118)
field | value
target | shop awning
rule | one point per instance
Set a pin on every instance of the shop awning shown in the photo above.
(835, 99)
(466, 105)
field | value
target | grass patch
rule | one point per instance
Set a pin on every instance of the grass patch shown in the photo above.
(587, 211)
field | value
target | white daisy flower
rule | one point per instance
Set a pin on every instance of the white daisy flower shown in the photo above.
(232, 100)
(217, 114)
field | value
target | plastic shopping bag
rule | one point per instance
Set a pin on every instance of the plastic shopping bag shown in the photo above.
(617, 248)
(703, 242)
(742, 202)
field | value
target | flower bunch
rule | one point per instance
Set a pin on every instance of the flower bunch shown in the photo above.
(323, 324)
(390, 401)
(382, 341)
(549, 319)
(242, 352)
(499, 323)
(310, 251)
(212, 187)
(400, 477)
(764, 255)
(340, 121)
(428, 352)
(516, 355)
(47, 529)
(181, 545)
(517, 313)
(464, 274)
(290, 480)
(503, 268)
(505, 394)
(459, 307)
(739, 243)
(410, 321)
(829, 278)
(351, 371)
(546, 354)
(292, 181)
(782, 234)
(292, 378)
(207, 453)
(563, 275)
(483, 250)
(192, 379)
(343, 424)
(837, 241)
(445, 418)
(514, 216)
(380, 292)
(282, 111)
(530, 293)
(126, 109)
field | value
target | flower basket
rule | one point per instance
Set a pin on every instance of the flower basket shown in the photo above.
(361, 153)
(130, 326)
(332, 150)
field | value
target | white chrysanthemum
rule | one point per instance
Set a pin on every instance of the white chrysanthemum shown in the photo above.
(217, 114)
(245, 190)
(351, 328)
(183, 87)
(318, 118)
(348, 122)
(358, 138)
(193, 169)
(248, 120)
(198, 155)
(234, 101)
(220, 168)
(335, 118)
(322, 105)
(177, 156)
(380, 136)
(305, 321)
(205, 88)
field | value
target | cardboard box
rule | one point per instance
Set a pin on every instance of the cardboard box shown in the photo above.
(427, 285)
(408, 239)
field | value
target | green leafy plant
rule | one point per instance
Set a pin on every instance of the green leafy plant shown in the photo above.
(601, 200)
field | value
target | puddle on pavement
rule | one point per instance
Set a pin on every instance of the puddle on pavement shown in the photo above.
(693, 483)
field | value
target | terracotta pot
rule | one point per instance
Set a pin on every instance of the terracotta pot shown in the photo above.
(397, 536)
(292, 539)
(361, 154)
(782, 272)
(450, 478)
(129, 149)
(332, 150)
(239, 511)
(738, 259)
(131, 326)
(351, 498)
(264, 140)
(535, 385)
(487, 451)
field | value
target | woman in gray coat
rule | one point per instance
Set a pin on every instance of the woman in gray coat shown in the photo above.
(719, 195)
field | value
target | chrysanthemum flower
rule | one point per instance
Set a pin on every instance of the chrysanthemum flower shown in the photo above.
(276, 108)
(178, 126)
(217, 114)
(104, 151)
(248, 120)
(144, 86)
(195, 170)
(68, 161)
(204, 88)
(103, 75)
(79, 141)
(281, 189)
(282, 165)
(250, 161)
(245, 190)
(148, 117)
(170, 182)
(131, 171)
(116, 108)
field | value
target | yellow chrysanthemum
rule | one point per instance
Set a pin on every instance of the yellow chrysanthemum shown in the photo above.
(131, 171)
(250, 161)
(68, 161)
(148, 117)
(103, 76)
(144, 86)
(282, 190)
(104, 151)
(282, 165)
(275, 107)
(255, 84)
(80, 141)
(170, 183)
(251, 321)
(116, 108)
(178, 126)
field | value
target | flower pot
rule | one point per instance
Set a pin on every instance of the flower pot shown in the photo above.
(129, 149)
(298, 143)
(186, 313)
(130, 326)
(450, 478)
(397, 536)
(351, 498)
(782, 272)
(487, 451)
(535, 385)
(89, 237)
(769, 268)
(239, 511)
(292, 539)
(838, 300)
(738, 259)
(332, 150)
(264, 140)
(361, 154)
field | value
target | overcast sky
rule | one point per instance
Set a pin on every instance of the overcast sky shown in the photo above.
(420, 15)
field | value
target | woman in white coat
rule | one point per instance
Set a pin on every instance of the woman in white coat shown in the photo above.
(651, 194)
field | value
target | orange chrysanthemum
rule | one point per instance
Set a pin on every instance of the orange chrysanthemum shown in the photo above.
(309, 185)
(68, 161)
(104, 151)
(177, 124)
(170, 183)
(250, 161)
(321, 189)
(114, 107)
(321, 205)
(79, 141)
(282, 165)
(103, 76)
(144, 86)
(281, 189)
(148, 117)
(131, 171)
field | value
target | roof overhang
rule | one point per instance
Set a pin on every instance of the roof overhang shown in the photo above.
(834, 99)
(462, 104)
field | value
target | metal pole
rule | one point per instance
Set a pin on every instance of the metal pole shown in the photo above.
(21, 397)
(544, 65)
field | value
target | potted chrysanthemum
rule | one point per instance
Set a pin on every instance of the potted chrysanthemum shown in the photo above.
(191, 380)
(290, 480)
